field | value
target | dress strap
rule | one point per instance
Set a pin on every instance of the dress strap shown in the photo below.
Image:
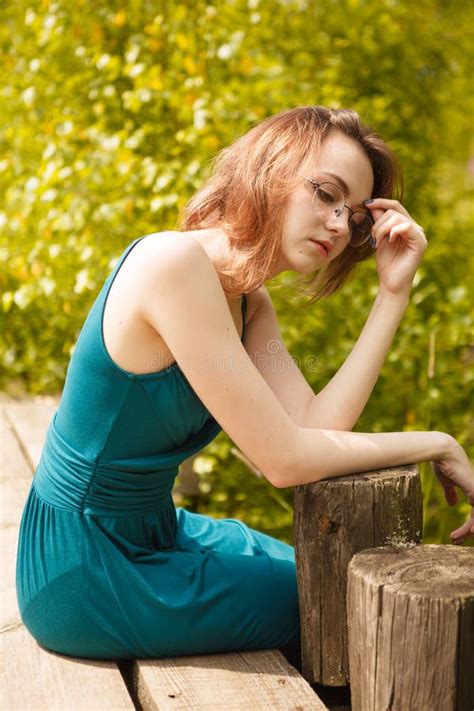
(244, 310)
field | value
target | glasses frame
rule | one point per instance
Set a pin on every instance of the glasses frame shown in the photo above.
(338, 211)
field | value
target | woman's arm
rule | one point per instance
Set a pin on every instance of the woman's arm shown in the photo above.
(340, 403)
(401, 244)
(180, 296)
(325, 454)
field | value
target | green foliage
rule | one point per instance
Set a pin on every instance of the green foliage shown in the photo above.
(111, 113)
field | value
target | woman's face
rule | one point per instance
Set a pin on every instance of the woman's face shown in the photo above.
(340, 160)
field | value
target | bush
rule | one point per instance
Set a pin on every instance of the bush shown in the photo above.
(111, 114)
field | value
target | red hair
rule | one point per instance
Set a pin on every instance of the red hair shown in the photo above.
(252, 179)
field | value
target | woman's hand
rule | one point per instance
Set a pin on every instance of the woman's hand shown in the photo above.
(453, 470)
(401, 243)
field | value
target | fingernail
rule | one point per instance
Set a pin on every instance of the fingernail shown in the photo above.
(367, 202)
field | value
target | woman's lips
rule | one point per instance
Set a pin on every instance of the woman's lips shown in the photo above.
(320, 246)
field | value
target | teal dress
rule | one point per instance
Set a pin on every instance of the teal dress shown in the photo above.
(107, 566)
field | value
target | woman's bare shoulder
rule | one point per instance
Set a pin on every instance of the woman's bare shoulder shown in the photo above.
(170, 242)
(159, 253)
(163, 262)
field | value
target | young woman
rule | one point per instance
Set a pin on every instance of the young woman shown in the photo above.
(182, 341)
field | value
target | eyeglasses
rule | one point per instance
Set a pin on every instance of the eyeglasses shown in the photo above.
(328, 198)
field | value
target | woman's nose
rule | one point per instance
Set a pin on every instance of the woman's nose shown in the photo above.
(338, 222)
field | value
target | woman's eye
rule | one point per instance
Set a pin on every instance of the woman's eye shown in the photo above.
(325, 196)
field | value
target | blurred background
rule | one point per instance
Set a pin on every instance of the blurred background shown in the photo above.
(111, 113)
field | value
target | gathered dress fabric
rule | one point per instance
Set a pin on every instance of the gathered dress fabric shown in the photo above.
(107, 566)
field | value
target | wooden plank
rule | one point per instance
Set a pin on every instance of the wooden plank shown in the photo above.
(34, 678)
(23, 425)
(9, 613)
(37, 679)
(235, 681)
(15, 481)
(15, 474)
(30, 419)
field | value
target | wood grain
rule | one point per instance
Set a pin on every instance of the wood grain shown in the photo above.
(411, 628)
(333, 520)
(259, 680)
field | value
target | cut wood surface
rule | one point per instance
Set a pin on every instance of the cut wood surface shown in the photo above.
(333, 520)
(35, 679)
(411, 628)
(254, 680)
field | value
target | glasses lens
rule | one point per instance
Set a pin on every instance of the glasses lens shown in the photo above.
(328, 197)
(361, 227)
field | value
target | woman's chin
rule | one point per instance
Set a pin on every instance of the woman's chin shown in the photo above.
(300, 262)
(308, 265)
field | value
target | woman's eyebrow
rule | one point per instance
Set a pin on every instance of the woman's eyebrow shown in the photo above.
(344, 186)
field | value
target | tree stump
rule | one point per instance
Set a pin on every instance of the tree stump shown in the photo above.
(333, 520)
(411, 628)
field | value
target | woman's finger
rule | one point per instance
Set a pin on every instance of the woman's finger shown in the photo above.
(386, 204)
(390, 227)
(464, 531)
(400, 228)
(385, 223)
(459, 536)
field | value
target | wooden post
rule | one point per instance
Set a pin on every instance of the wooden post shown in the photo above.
(411, 628)
(333, 520)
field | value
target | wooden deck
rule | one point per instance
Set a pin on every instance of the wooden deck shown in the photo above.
(37, 679)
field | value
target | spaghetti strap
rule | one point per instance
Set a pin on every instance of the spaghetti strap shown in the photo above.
(244, 311)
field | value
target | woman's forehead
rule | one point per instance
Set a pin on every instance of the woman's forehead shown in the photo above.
(345, 163)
